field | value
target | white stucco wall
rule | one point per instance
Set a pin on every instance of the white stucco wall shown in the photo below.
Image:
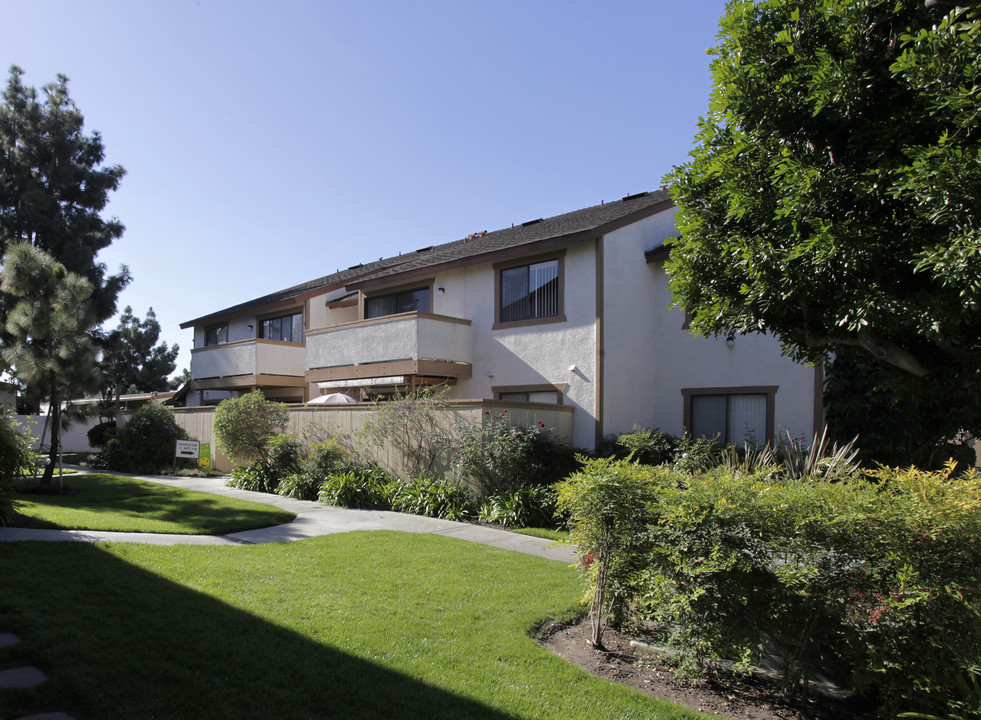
(535, 354)
(649, 355)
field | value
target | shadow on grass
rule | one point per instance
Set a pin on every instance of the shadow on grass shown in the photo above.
(136, 501)
(121, 642)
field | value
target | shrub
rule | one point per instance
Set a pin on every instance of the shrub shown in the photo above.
(411, 425)
(244, 425)
(521, 507)
(255, 477)
(648, 446)
(696, 454)
(100, 435)
(145, 444)
(357, 487)
(881, 576)
(497, 457)
(17, 455)
(324, 458)
(284, 454)
(299, 486)
(431, 497)
(651, 446)
(8, 507)
(607, 504)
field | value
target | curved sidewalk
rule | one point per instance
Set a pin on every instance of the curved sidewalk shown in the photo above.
(312, 520)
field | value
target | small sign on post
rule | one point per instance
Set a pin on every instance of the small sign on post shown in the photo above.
(187, 449)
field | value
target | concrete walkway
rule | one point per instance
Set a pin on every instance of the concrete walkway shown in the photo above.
(312, 520)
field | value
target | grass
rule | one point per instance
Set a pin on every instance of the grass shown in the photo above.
(358, 625)
(113, 502)
(547, 533)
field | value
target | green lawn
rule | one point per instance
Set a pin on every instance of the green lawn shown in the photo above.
(546, 533)
(357, 625)
(113, 502)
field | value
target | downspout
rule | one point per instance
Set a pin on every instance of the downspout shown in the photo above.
(819, 420)
(600, 344)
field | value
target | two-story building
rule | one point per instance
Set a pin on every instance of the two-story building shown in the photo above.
(572, 309)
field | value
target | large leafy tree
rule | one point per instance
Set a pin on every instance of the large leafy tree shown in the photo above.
(833, 195)
(47, 326)
(133, 359)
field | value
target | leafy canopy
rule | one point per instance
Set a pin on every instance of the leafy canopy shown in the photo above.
(244, 426)
(832, 198)
(133, 359)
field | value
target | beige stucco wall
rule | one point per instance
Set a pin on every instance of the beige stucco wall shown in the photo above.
(404, 337)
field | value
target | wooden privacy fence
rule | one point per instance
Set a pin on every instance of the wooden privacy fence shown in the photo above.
(344, 422)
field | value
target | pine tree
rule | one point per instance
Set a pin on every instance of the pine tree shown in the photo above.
(48, 323)
(53, 189)
(132, 360)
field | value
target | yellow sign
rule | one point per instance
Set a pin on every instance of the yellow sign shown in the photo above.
(204, 456)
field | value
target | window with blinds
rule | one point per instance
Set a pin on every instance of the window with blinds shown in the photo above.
(530, 291)
(733, 419)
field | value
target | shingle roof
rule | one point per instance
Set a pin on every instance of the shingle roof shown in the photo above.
(566, 228)
(336, 279)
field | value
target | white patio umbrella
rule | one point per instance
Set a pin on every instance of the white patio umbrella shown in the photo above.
(332, 399)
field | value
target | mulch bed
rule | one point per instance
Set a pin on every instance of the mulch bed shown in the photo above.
(734, 696)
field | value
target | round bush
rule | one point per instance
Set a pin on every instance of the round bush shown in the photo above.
(100, 435)
(145, 444)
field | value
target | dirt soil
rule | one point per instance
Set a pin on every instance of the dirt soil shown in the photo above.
(730, 696)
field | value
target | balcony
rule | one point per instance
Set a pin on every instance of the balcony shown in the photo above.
(248, 363)
(414, 343)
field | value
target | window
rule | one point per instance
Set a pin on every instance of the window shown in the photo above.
(403, 301)
(552, 394)
(285, 328)
(529, 293)
(733, 415)
(216, 335)
(547, 396)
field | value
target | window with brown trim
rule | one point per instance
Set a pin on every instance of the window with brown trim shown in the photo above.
(285, 328)
(216, 335)
(529, 292)
(530, 393)
(412, 300)
(730, 415)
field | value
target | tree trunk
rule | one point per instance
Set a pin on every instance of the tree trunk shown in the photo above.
(55, 431)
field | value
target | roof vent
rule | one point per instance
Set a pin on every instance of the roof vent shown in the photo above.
(480, 234)
(425, 249)
(531, 222)
(633, 197)
(355, 267)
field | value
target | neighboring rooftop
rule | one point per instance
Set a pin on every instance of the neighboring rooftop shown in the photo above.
(556, 231)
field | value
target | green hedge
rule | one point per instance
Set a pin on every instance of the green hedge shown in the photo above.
(876, 577)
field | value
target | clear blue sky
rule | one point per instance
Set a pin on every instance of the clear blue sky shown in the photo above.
(270, 143)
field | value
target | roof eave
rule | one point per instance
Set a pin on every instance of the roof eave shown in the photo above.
(534, 247)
